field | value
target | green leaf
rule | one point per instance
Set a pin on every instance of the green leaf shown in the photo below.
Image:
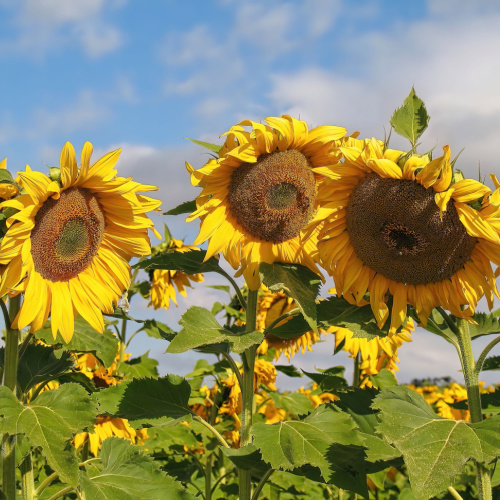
(291, 444)
(487, 324)
(200, 328)
(298, 282)
(411, 119)
(140, 367)
(295, 327)
(248, 457)
(383, 379)
(127, 474)
(435, 449)
(437, 325)
(294, 403)
(327, 382)
(157, 330)
(289, 370)
(491, 363)
(109, 399)
(85, 339)
(184, 208)
(208, 145)
(50, 423)
(147, 398)
(188, 262)
(41, 363)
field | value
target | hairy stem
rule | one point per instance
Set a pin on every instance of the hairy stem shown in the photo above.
(248, 358)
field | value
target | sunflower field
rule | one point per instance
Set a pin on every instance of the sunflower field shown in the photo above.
(329, 234)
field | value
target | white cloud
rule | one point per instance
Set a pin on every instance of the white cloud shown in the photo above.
(50, 25)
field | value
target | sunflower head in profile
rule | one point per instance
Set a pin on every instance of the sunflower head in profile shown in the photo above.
(70, 241)
(164, 282)
(260, 194)
(270, 307)
(405, 224)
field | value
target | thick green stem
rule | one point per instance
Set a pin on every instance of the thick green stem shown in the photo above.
(27, 480)
(123, 333)
(356, 374)
(248, 358)
(10, 381)
(473, 397)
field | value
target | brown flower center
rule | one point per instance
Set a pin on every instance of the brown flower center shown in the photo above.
(273, 199)
(395, 228)
(67, 234)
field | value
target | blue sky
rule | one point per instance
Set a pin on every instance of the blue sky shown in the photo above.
(143, 75)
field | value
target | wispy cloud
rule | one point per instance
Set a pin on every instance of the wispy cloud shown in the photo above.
(44, 26)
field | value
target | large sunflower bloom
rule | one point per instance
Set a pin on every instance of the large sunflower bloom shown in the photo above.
(163, 282)
(402, 224)
(261, 192)
(71, 241)
(270, 307)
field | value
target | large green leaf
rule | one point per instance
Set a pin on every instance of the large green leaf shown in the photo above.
(411, 119)
(292, 444)
(191, 262)
(491, 363)
(127, 474)
(109, 399)
(149, 398)
(327, 382)
(246, 457)
(435, 449)
(298, 282)
(50, 423)
(85, 339)
(140, 367)
(487, 324)
(40, 363)
(200, 328)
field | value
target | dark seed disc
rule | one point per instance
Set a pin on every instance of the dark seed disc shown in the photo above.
(395, 228)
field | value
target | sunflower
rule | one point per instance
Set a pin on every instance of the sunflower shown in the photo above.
(261, 193)
(7, 189)
(163, 283)
(71, 241)
(270, 307)
(405, 224)
(376, 353)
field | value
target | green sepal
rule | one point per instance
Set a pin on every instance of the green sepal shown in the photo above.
(215, 148)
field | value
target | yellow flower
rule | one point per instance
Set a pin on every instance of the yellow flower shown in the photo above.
(92, 368)
(375, 354)
(162, 282)
(267, 408)
(270, 307)
(108, 427)
(397, 223)
(261, 192)
(72, 240)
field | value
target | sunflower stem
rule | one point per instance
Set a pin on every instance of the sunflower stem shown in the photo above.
(235, 286)
(248, 358)
(10, 381)
(123, 333)
(482, 358)
(27, 479)
(356, 374)
(471, 377)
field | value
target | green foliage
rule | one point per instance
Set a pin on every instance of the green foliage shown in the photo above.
(85, 339)
(127, 474)
(297, 282)
(328, 382)
(50, 423)
(184, 208)
(155, 329)
(149, 399)
(39, 364)
(411, 119)
(435, 449)
(294, 403)
(200, 328)
(491, 363)
(487, 324)
(140, 367)
(292, 444)
(191, 262)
